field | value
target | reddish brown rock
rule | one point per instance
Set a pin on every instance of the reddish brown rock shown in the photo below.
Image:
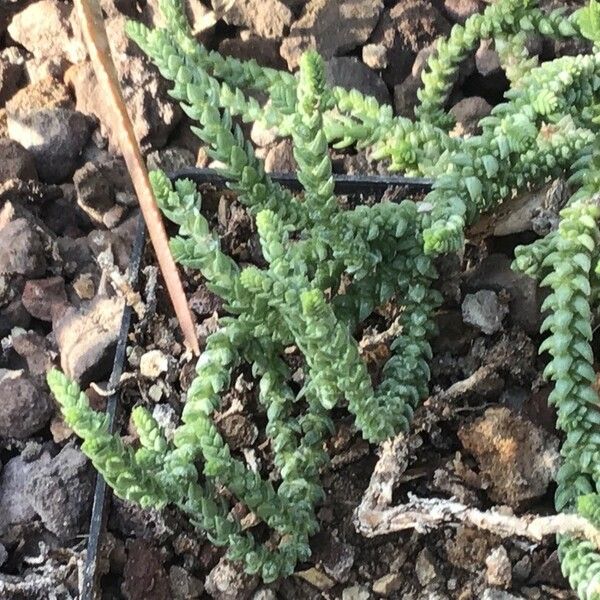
(280, 158)
(87, 337)
(204, 302)
(21, 249)
(238, 431)
(468, 112)
(263, 50)
(516, 459)
(405, 96)
(332, 27)
(41, 297)
(404, 30)
(35, 349)
(99, 185)
(487, 60)
(44, 28)
(144, 576)
(13, 315)
(25, 407)
(227, 581)
(266, 18)
(154, 116)
(45, 93)
(460, 10)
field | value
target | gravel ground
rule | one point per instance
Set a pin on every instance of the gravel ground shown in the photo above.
(485, 436)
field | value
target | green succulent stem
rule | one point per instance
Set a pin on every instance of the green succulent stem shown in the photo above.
(327, 266)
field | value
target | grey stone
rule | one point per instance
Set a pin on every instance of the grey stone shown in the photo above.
(12, 70)
(498, 568)
(21, 249)
(61, 493)
(491, 594)
(484, 311)
(426, 568)
(15, 506)
(521, 570)
(264, 594)
(495, 273)
(183, 585)
(339, 560)
(54, 136)
(350, 73)
(171, 159)
(17, 162)
(404, 30)
(356, 592)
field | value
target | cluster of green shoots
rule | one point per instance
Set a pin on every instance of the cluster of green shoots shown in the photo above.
(330, 267)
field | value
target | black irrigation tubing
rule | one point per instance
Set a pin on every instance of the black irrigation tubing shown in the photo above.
(371, 185)
(98, 519)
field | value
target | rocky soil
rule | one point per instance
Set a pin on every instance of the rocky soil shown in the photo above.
(67, 220)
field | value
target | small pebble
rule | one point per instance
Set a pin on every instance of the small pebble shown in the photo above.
(356, 592)
(153, 363)
(499, 569)
(183, 585)
(316, 578)
(426, 568)
(387, 584)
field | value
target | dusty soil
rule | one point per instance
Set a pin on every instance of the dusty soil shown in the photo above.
(67, 220)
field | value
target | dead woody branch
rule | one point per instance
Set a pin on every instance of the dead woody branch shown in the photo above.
(374, 515)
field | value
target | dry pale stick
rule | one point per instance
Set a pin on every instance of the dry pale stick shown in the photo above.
(375, 516)
(94, 33)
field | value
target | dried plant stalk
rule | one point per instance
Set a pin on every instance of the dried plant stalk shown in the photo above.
(374, 516)
(94, 33)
